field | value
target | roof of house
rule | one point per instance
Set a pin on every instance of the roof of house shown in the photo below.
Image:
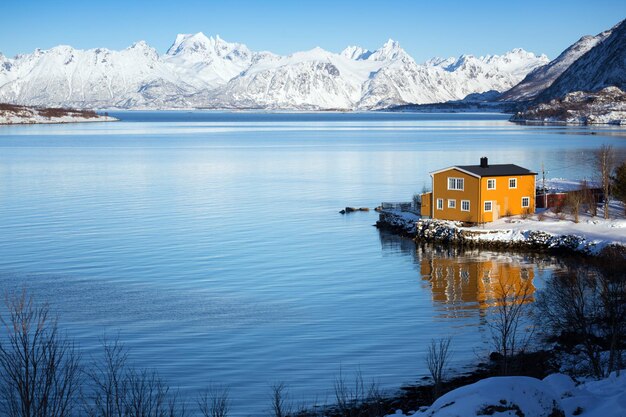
(492, 170)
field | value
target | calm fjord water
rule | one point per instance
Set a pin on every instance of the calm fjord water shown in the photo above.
(211, 241)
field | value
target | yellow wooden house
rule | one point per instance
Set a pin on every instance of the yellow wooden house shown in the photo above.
(480, 193)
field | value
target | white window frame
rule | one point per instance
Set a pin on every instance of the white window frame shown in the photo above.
(527, 205)
(494, 183)
(490, 206)
(468, 205)
(454, 182)
(451, 203)
(515, 181)
(440, 204)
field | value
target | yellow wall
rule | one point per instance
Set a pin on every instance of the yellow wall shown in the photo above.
(505, 200)
(426, 204)
(470, 192)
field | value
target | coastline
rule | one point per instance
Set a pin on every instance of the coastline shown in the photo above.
(520, 235)
(11, 114)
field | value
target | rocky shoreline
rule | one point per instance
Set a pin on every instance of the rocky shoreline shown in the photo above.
(453, 233)
(11, 114)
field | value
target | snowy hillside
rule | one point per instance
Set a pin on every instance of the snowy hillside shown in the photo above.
(602, 66)
(201, 71)
(540, 78)
(607, 106)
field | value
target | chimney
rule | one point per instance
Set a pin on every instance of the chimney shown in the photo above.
(484, 162)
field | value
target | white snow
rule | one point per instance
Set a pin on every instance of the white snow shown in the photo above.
(504, 396)
(201, 71)
(596, 232)
(32, 116)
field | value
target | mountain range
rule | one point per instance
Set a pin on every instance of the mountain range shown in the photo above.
(590, 64)
(208, 72)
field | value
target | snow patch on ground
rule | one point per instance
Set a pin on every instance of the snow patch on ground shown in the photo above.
(595, 233)
(531, 397)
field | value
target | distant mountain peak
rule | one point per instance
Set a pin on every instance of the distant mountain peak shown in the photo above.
(356, 53)
(390, 51)
(209, 72)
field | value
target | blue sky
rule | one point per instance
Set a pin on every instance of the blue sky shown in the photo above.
(424, 28)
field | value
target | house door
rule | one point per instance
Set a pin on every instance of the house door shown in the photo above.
(496, 212)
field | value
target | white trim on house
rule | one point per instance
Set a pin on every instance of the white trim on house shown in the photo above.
(490, 206)
(440, 206)
(456, 181)
(469, 205)
(527, 205)
(457, 168)
(494, 183)
(515, 187)
(452, 203)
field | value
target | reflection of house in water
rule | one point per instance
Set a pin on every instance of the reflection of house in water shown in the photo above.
(466, 282)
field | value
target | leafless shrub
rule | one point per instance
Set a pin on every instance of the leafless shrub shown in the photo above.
(589, 199)
(39, 367)
(507, 324)
(436, 360)
(280, 407)
(149, 396)
(541, 216)
(214, 402)
(586, 310)
(573, 201)
(347, 397)
(604, 160)
(107, 379)
(116, 389)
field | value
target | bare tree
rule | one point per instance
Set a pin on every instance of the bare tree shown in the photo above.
(279, 405)
(587, 307)
(437, 360)
(39, 367)
(107, 382)
(573, 201)
(507, 323)
(604, 161)
(149, 396)
(214, 402)
(116, 389)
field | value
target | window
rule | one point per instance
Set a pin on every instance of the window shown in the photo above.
(525, 202)
(512, 182)
(465, 205)
(455, 183)
(487, 205)
(440, 204)
(451, 203)
(491, 184)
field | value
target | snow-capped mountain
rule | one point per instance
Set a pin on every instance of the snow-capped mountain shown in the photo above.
(201, 71)
(602, 66)
(541, 78)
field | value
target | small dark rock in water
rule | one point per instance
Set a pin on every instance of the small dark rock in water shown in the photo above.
(353, 209)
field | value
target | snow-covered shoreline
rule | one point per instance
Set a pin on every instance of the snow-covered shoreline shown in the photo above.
(555, 395)
(22, 115)
(544, 231)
